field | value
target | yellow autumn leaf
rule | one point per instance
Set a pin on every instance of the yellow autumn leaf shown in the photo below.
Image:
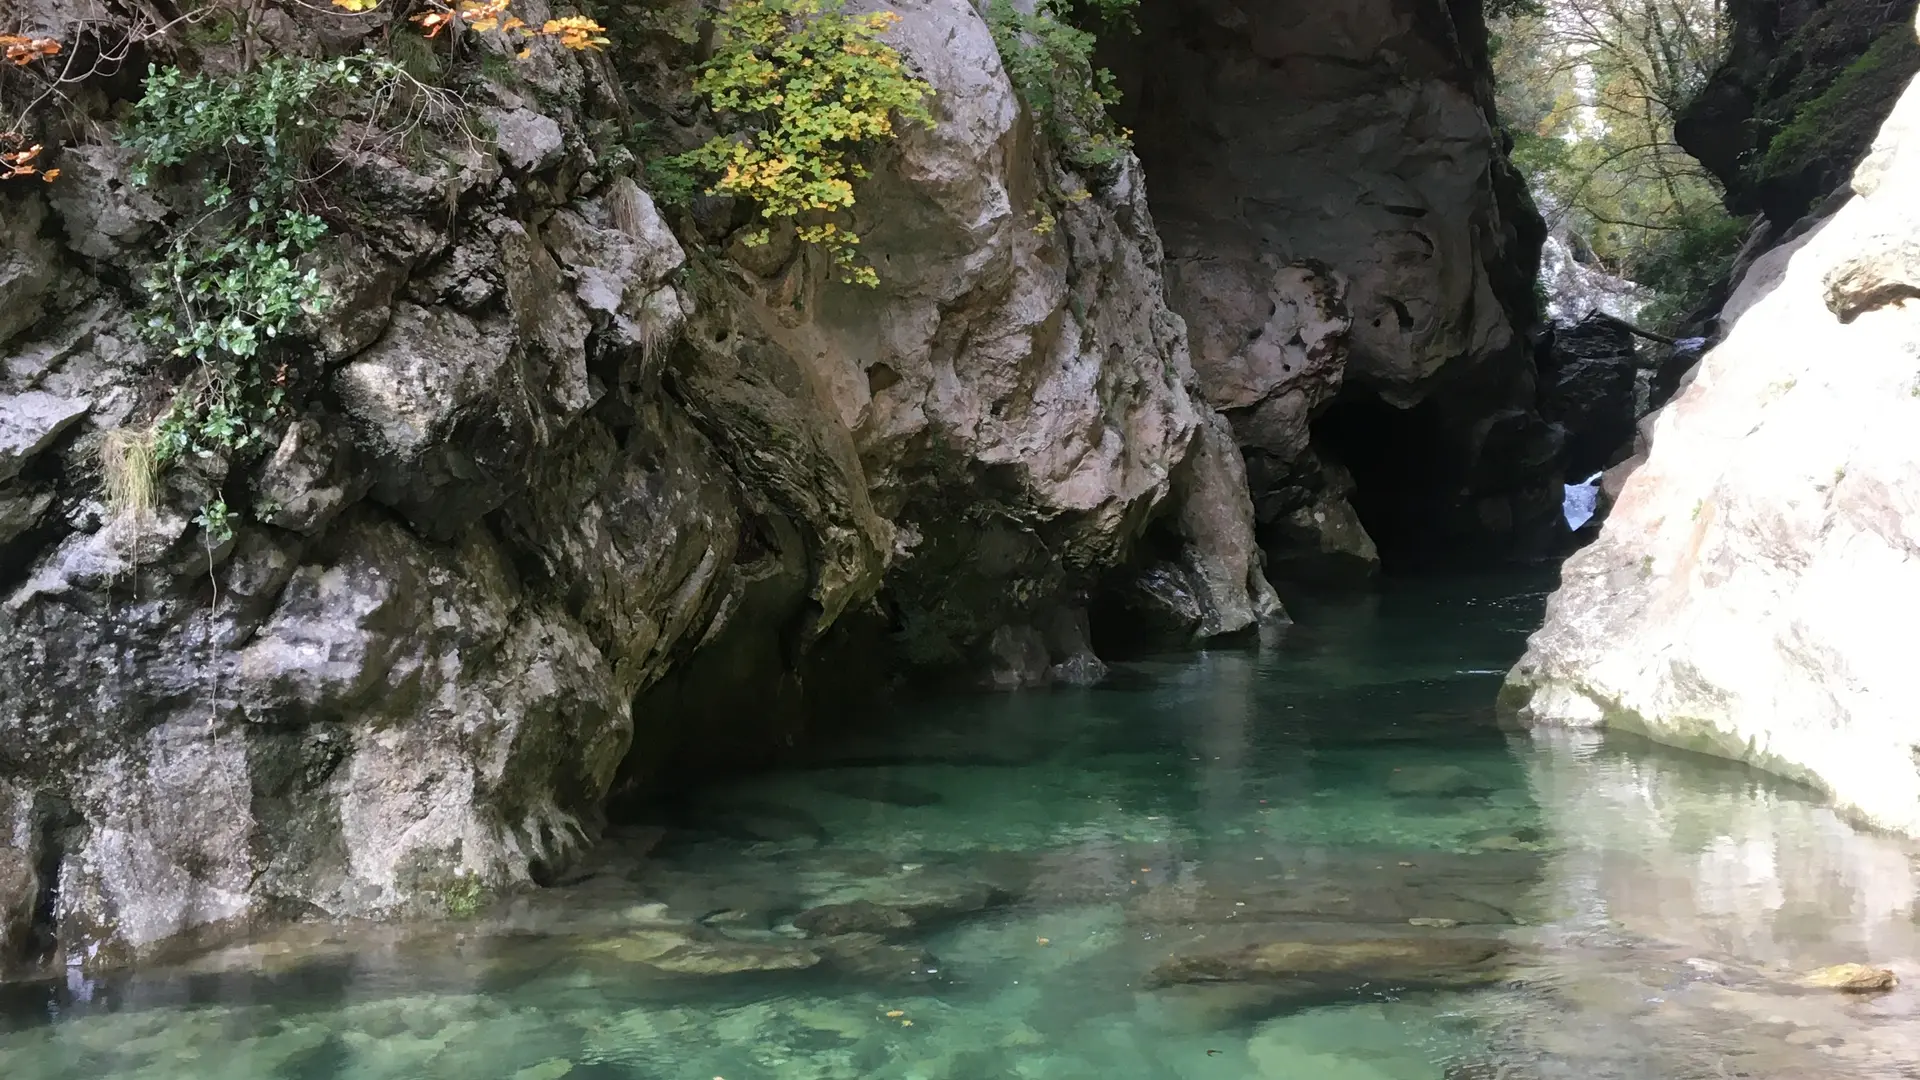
(356, 6)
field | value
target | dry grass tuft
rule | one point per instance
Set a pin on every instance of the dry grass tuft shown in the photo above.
(127, 461)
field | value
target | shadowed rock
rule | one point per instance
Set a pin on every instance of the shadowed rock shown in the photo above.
(858, 917)
(1297, 957)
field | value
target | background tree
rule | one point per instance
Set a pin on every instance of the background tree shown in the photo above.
(1591, 89)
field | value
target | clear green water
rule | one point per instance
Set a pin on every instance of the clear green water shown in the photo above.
(1076, 859)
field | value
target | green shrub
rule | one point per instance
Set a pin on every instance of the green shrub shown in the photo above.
(1050, 60)
(1684, 262)
(228, 284)
(801, 87)
(1845, 116)
(464, 897)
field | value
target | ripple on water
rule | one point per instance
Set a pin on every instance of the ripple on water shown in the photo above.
(1321, 861)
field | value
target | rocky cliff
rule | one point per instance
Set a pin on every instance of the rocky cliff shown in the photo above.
(1355, 258)
(1749, 595)
(1803, 88)
(565, 489)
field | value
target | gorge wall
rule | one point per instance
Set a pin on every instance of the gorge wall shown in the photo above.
(570, 491)
(1748, 595)
(1355, 258)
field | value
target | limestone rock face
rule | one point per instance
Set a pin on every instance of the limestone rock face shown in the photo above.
(19, 892)
(1747, 595)
(555, 506)
(1341, 225)
(991, 428)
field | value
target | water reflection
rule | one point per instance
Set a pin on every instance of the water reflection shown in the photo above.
(1687, 897)
(1692, 849)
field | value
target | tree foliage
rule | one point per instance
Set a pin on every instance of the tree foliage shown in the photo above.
(1590, 90)
(801, 88)
(575, 32)
(20, 158)
(1048, 53)
(111, 42)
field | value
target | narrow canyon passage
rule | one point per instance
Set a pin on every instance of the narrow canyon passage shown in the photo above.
(946, 540)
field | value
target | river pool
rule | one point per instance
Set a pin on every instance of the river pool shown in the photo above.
(1317, 858)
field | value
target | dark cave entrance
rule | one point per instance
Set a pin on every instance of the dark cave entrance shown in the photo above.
(1402, 473)
(1449, 484)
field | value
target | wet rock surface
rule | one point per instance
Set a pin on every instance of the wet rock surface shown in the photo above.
(1587, 385)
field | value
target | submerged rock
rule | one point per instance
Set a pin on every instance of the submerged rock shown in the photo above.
(1381, 889)
(932, 894)
(1317, 964)
(858, 917)
(877, 787)
(1437, 781)
(1852, 979)
(684, 951)
(871, 958)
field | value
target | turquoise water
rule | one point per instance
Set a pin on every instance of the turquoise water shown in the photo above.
(1317, 859)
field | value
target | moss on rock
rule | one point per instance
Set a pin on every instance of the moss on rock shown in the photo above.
(1832, 129)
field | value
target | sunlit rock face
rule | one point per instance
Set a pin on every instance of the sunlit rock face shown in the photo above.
(1341, 225)
(1748, 595)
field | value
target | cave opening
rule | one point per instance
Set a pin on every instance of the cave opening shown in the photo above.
(1401, 472)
